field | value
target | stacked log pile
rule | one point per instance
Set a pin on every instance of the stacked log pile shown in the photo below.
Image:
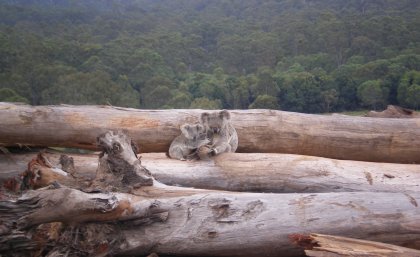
(294, 174)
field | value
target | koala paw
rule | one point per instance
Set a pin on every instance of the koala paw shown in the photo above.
(203, 152)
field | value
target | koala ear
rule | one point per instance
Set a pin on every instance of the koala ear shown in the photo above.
(224, 114)
(204, 117)
(184, 129)
(199, 127)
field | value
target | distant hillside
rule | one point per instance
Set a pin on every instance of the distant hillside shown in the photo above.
(297, 55)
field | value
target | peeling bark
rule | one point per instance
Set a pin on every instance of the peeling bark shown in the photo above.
(268, 131)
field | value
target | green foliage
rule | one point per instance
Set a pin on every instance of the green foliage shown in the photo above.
(303, 91)
(205, 103)
(157, 97)
(413, 98)
(266, 84)
(372, 93)
(90, 88)
(265, 102)
(306, 56)
(409, 89)
(180, 100)
(329, 97)
(8, 95)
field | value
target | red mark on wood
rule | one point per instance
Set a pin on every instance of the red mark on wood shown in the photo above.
(304, 241)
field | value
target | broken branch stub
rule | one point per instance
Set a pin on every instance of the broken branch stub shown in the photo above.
(119, 167)
(41, 172)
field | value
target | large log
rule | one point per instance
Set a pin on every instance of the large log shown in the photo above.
(276, 173)
(267, 131)
(187, 222)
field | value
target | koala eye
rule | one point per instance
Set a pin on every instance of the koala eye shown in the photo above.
(116, 146)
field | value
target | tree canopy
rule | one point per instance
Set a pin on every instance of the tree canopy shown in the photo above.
(308, 55)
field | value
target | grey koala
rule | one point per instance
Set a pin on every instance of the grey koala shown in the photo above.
(184, 146)
(220, 131)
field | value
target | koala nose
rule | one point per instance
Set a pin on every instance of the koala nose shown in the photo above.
(215, 130)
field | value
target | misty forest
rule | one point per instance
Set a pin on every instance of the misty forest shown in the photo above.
(308, 56)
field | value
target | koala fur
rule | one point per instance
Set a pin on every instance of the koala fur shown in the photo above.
(185, 145)
(219, 130)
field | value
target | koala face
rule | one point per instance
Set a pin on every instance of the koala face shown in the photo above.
(215, 121)
(193, 131)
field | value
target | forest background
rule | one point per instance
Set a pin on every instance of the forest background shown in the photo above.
(310, 56)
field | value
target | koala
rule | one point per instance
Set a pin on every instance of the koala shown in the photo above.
(184, 146)
(223, 136)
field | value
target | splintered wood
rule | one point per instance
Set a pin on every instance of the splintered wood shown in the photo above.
(318, 245)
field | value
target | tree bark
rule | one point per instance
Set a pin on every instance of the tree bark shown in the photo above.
(318, 245)
(191, 222)
(276, 173)
(265, 131)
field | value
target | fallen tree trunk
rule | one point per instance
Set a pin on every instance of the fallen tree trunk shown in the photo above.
(173, 221)
(276, 173)
(268, 131)
(318, 245)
